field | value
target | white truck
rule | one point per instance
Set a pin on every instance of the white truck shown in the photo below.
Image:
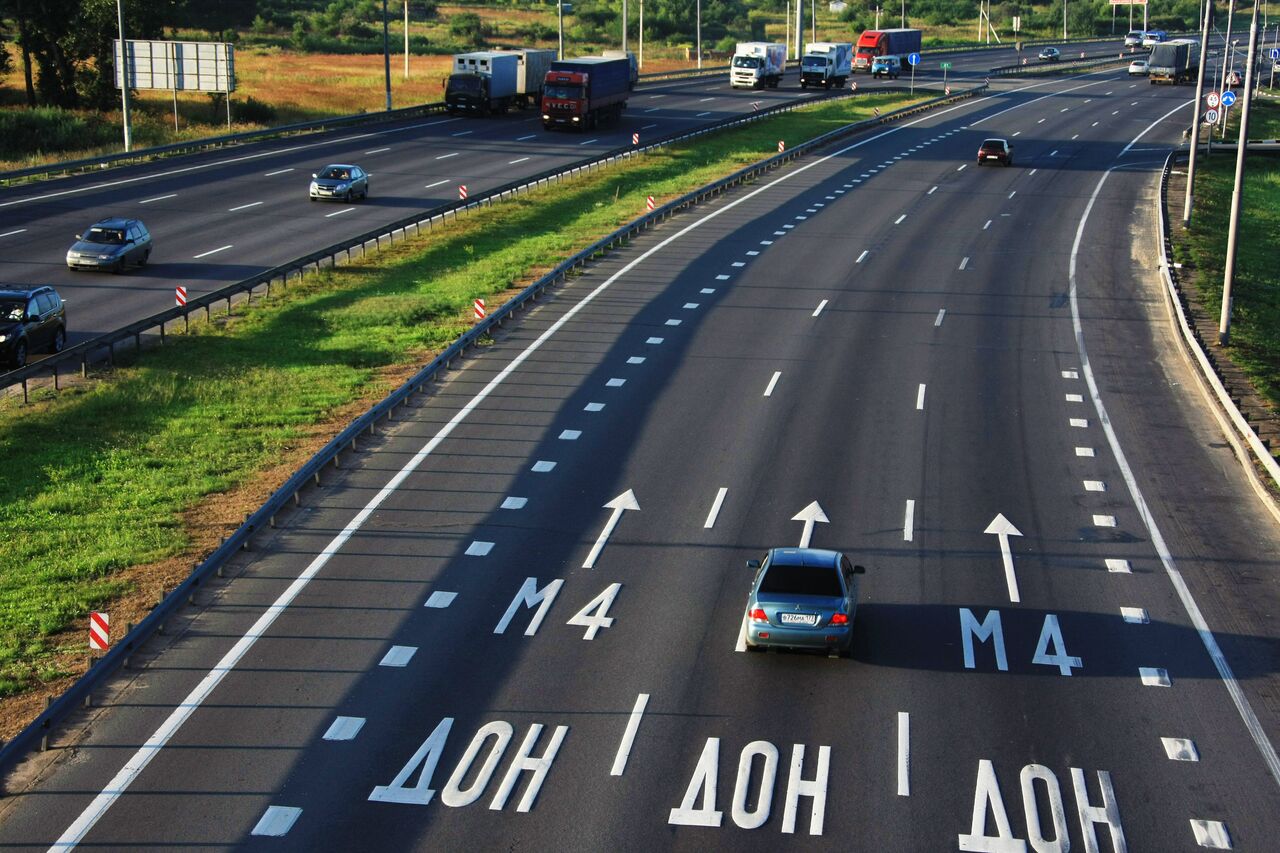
(492, 81)
(826, 64)
(757, 64)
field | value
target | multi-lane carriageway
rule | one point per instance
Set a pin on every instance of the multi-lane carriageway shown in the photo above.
(421, 657)
(224, 215)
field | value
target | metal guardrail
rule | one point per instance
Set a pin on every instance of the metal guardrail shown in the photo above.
(104, 346)
(1032, 69)
(80, 693)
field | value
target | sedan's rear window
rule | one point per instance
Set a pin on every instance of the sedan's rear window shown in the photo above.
(801, 580)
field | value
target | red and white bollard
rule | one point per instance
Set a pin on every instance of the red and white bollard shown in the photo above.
(649, 203)
(853, 87)
(1082, 54)
(946, 90)
(99, 631)
(876, 110)
(180, 296)
(782, 146)
(755, 106)
(462, 192)
(478, 309)
(635, 139)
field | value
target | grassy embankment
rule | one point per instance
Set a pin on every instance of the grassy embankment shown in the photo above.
(1255, 327)
(122, 482)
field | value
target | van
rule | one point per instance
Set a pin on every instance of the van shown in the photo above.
(1151, 38)
(1134, 38)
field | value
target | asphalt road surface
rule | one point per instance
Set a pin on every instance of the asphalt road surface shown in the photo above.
(515, 622)
(221, 216)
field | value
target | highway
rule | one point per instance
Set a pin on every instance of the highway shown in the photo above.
(223, 215)
(515, 621)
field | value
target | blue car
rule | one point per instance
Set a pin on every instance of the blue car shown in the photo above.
(802, 598)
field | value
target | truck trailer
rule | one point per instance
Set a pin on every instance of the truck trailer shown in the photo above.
(826, 64)
(757, 64)
(482, 82)
(1174, 61)
(896, 42)
(584, 92)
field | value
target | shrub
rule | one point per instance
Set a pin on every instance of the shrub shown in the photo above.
(49, 129)
(467, 27)
(252, 111)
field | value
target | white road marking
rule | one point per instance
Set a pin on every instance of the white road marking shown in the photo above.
(479, 549)
(636, 359)
(570, 434)
(715, 508)
(588, 141)
(653, 109)
(380, 150)
(1074, 398)
(818, 310)
(904, 754)
(932, 191)
(1180, 749)
(398, 656)
(344, 728)
(942, 312)
(920, 398)
(526, 138)
(518, 160)
(964, 262)
(1104, 521)
(654, 341)
(463, 133)
(766, 242)
(1076, 136)
(863, 256)
(212, 252)
(738, 264)
(1070, 374)
(277, 172)
(619, 505)
(741, 645)
(768, 392)
(1095, 124)
(1116, 113)
(1153, 676)
(594, 407)
(988, 225)
(1211, 834)
(707, 291)
(447, 156)
(161, 197)
(672, 322)
(1134, 615)
(1064, 109)
(629, 735)
(722, 278)
(753, 253)
(1032, 172)
(704, 100)
(542, 466)
(801, 217)
(1017, 133)
(615, 383)
(244, 206)
(1119, 567)
(1003, 529)
(338, 212)
(1012, 194)
(1041, 121)
(898, 221)
(909, 521)
(11, 233)
(1095, 486)
(436, 184)
(1080, 423)
(514, 502)
(702, 115)
(276, 820)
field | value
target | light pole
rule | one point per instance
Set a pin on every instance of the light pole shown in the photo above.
(1229, 269)
(904, 14)
(406, 39)
(124, 76)
(560, 20)
(1064, 20)
(1195, 111)
(386, 52)
(624, 25)
(699, 44)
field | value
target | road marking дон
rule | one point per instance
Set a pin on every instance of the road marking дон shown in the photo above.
(629, 735)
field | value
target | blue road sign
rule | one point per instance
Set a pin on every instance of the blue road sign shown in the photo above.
(1228, 99)
(1275, 53)
(913, 58)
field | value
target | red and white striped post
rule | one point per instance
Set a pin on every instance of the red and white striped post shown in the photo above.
(876, 110)
(649, 203)
(755, 106)
(462, 192)
(946, 90)
(635, 138)
(782, 146)
(478, 309)
(854, 87)
(180, 295)
(99, 631)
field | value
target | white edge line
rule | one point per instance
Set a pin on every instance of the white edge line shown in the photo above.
(189, 705)
(1192, 609)
(629, 735)
(715, 508)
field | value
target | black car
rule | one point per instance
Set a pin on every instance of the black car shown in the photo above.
(31, 320)
(998, 150)
(111, 245)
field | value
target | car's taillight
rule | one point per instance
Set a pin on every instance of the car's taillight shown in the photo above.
(757, 615)
(839, 619)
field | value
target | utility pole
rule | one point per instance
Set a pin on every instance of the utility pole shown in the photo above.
(624, 25)
(386, 52)
(813, 18)
(699, 45)
(904, 14)
(1229, 270)
(1195, 112)
(124, 76)
(640, 63)
(799, 27)
(1064, 20)
(560, 20)
(406, 39)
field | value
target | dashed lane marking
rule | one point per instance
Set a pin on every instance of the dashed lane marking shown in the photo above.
(715, 508)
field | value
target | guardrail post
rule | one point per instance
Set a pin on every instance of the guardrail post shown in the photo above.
(24, 391)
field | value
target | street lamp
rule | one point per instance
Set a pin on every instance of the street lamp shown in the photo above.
(124, 75)
(386, 52)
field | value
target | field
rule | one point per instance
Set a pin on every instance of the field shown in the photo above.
(131, 477)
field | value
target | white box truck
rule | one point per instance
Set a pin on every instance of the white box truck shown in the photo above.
(532, 66)
(826, 64)
(482, 82)
(757, 64)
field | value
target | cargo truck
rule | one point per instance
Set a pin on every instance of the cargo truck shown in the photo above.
(628, 55)
(1174, 61)
(826, 64)
(896, 42)
(584, 92)
(757, 64)
(482, 82)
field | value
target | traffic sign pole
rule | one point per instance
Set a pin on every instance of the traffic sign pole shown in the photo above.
(914, 59)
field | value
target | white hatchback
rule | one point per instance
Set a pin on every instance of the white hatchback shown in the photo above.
(1138, 67)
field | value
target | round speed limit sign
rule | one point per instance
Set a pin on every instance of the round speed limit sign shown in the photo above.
(1211, 117)
(1211, 99)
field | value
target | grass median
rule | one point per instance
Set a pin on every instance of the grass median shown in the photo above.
(1255, 323)
(117, 485)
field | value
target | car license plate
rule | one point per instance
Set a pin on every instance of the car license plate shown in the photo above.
(797, 619)
(993, 156)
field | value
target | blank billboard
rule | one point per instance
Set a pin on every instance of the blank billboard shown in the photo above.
(185, 66)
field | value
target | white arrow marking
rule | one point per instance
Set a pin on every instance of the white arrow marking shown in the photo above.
(619, 505)
(1001, 527)
(809, 515)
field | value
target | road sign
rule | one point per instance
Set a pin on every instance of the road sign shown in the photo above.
(180, 296)
(1211, 117)
(913, 58)
(649, 203)
(1211, 99)
(946, 66)
(1228, 99)
(462, 192)
(99, 631)
(1275, 53)
(477, 309)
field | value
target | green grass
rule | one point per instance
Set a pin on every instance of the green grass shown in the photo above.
(1255, 325)
(102, 475)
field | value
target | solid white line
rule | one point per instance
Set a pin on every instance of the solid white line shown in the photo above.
(942, 312)
(964, 262)
(909, 522)
(338, 212)
(447, 156)
(920, 398)
(768, 392)
(158, 198)
(520, 160)
(816, 311)
(436, 184)
(898, 221)
(629, 735)
(277, 172)
(861, 257)
(244, 206)
(380, 150)
(136, 763)
(715, 508)
(1189, 604)
(212, 251)
(11, 233)
(904, 754)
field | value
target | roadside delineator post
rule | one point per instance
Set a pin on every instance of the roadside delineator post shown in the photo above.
(180, 296)
(462, 192)
(478, 309)
(782, 146)
(99, 631)
(649, 203)
(635, 138)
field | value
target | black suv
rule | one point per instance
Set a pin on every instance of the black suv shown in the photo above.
(31, 320)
